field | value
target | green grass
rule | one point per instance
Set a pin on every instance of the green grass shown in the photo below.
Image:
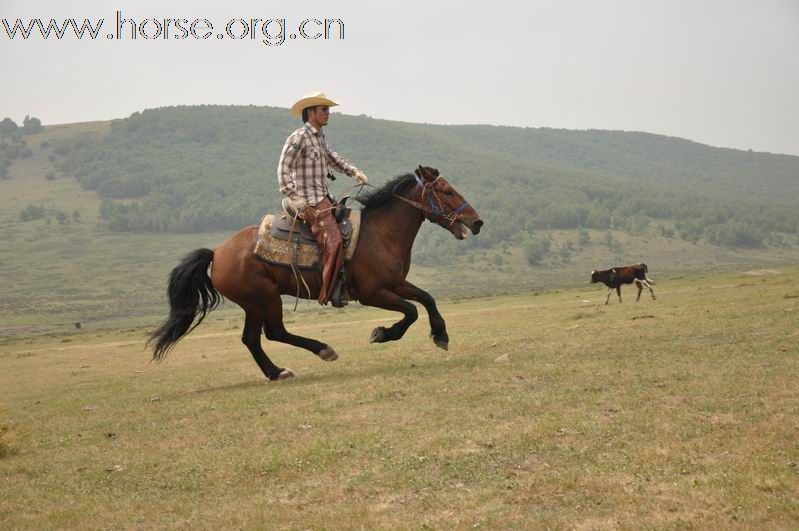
(676, 413)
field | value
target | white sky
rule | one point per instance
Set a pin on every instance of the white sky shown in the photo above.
(720, 72)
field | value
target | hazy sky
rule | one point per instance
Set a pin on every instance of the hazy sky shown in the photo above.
(720, 72)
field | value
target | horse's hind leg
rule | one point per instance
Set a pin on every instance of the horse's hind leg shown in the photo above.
(251, 337)
(275, 330)
(640, 288)
(438, 328)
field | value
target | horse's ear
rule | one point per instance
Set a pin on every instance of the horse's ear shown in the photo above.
(418, 172)
(434, 172)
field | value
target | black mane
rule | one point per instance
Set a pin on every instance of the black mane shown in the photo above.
(376, 198)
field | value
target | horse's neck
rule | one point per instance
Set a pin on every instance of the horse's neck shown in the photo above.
(398, 221)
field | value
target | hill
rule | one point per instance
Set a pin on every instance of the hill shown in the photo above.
(191, 169)
(93, 216)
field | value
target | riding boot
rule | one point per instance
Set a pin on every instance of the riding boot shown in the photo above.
(339, 292)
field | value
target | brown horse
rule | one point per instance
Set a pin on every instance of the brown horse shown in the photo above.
(390, 219)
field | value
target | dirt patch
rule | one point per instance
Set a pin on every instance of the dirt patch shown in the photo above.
(761, 272)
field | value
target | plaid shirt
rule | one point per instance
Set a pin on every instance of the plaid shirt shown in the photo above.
(304, 164)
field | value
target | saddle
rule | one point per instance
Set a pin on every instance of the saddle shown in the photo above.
(285, 239)
(292, 222)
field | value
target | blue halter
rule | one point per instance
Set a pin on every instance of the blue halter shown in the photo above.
(436, 209)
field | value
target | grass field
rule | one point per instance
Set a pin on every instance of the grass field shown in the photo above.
(669, 414)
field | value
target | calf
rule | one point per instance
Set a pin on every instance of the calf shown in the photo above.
(614, 278)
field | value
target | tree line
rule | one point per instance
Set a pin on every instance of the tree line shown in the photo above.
(12, 143)
(192, 169)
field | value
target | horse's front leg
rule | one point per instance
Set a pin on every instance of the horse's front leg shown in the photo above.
(438, 328)
(388, 300)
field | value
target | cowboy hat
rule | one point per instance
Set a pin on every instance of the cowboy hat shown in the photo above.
(311, 100)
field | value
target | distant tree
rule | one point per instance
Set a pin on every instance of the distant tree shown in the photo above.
(584, 237)
(498, 261)
(75, 216)
(665, 232)
(736, 234)
(535, 249)
(566, 252)
(50, 176)
(8, 127)
(690, 229)
(61, 217)
(61, 149)
(31, 125)
(26, 153)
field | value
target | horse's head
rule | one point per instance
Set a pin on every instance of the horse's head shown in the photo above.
(443, 205)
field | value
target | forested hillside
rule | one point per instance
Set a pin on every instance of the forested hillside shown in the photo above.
(192, 169)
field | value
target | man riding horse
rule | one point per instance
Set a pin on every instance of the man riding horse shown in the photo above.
(302, 175)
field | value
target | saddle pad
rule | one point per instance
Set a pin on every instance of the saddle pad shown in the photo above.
(280, 252)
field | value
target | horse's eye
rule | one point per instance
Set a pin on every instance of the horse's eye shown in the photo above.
(447, 192)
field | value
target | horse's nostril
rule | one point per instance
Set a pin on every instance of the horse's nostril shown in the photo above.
(476, 226)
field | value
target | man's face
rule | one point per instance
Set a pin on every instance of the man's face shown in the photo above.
(321, 114)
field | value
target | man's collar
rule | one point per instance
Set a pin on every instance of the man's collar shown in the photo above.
(311, 128)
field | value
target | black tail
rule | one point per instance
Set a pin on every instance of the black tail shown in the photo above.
(190, 294)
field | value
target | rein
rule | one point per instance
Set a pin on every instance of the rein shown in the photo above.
(433, 207)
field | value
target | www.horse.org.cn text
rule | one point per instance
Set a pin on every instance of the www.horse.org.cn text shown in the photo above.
(269, 31)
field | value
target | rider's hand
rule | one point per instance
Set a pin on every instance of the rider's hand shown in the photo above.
(360, 177)
(298, 202)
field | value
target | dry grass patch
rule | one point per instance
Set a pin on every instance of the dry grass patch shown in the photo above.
(685, 419)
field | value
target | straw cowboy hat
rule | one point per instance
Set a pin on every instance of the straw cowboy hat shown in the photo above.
(310, 100)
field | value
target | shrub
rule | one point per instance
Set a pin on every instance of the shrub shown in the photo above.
(31, 212)
(584, 237)
(536, 249)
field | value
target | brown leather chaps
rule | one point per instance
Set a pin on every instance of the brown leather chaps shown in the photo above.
(328, 236)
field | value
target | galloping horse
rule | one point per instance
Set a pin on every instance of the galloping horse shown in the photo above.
(390, 219)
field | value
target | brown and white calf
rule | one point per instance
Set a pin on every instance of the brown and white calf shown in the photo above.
(614, 278)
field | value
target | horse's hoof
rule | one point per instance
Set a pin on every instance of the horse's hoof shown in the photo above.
(378, 335)
(285, 374)
(328, 354)
(441, 342)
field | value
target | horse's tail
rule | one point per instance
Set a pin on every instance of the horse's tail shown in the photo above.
(191, 293)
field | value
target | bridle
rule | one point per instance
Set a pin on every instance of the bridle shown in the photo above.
(433, 207)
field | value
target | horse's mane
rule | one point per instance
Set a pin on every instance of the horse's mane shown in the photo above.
(376, 198)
